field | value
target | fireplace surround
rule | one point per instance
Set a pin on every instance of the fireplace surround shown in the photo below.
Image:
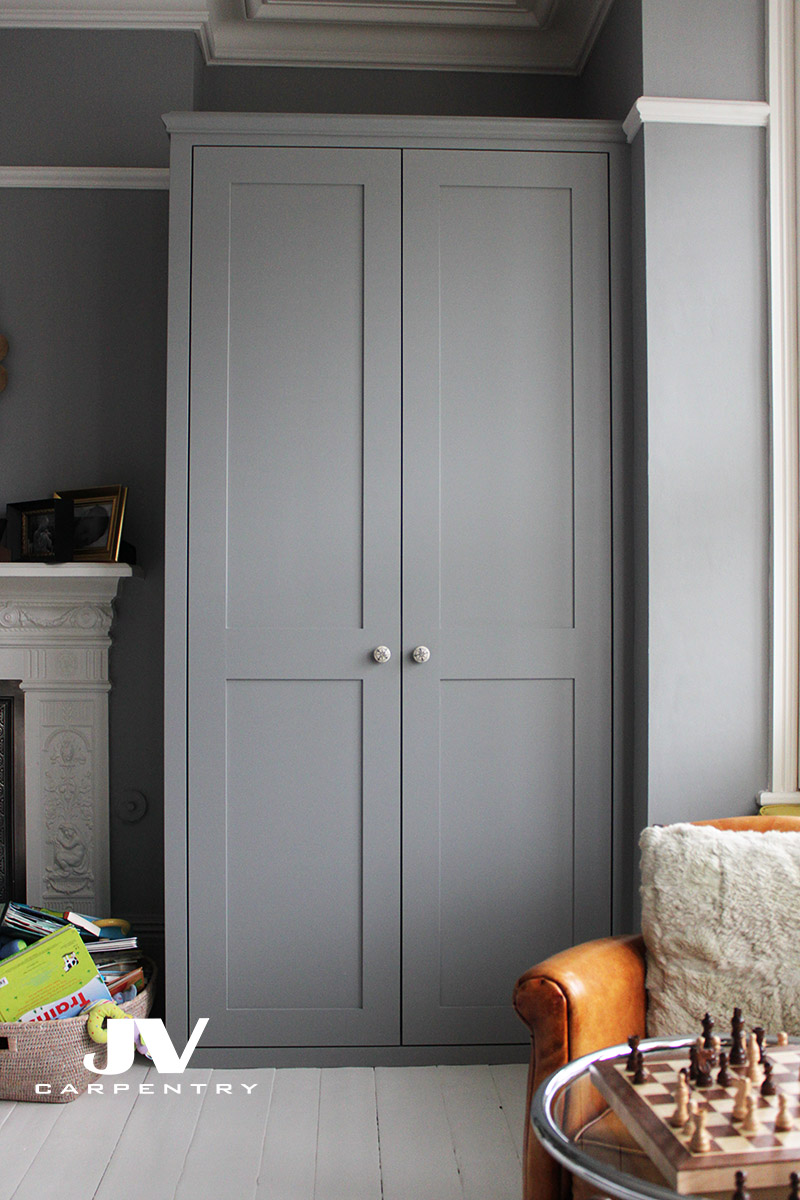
(55, 622)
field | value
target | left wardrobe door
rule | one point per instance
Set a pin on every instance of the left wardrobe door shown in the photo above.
(294, 581)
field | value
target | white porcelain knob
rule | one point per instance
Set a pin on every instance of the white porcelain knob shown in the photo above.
(381, 654)
(420, 654)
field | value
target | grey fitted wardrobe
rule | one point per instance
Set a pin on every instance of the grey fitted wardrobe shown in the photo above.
(389, 652)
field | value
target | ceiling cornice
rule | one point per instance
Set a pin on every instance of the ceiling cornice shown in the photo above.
(549, 36)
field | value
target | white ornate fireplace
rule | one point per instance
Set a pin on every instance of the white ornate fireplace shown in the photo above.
(54, 639)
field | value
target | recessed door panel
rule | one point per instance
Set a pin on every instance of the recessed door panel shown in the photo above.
(506, 780)
(303, 738)
(506, 406)
(295, 443)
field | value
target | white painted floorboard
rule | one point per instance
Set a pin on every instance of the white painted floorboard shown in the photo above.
(392, 1133)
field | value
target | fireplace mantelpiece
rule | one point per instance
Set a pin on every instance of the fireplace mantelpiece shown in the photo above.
(54, 638)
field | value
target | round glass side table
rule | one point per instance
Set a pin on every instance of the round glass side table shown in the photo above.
(574, 1123)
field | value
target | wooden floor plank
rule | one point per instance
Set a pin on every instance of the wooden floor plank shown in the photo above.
(159, 1129)
(79, 1145)
(348, 1164)
(483, 1144)
(511, 1081)
(225, 1152)
(23, 1133)
(417, 1157)
(289, 1159)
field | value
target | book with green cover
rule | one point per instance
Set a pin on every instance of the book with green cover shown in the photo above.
(55, 977)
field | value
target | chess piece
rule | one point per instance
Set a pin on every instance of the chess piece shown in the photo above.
(736, 1058)
(640, 1076)
(691, 1120)
(751, 1123)
(783, 1120)
(701, 1141)
(783, 1038)
(767, 1087)
(630, 1065)
(740, 1193)
(703, 1079)
(724, 1077)
(681, 1114)
(692, 1064)
(794, 1180)
(716, 1046)
(740, 1103)
(708, 1025)
(754, 1073)
(758, 1030)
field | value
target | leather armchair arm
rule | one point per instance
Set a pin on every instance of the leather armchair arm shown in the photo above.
(578, 1001)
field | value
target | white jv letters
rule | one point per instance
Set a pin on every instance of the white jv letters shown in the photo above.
(155, 1037)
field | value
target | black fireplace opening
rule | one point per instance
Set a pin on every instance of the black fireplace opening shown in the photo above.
(12, 792)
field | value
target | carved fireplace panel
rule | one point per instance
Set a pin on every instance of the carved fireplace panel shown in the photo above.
(54, 638)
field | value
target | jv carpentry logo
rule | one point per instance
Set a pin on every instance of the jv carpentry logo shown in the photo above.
(149, 1034)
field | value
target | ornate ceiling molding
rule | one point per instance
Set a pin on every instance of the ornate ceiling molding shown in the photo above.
(552, 36)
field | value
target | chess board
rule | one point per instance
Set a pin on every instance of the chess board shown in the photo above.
(767, 1157)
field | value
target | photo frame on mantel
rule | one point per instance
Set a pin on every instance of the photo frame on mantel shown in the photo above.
(97, 524)
(40, 530)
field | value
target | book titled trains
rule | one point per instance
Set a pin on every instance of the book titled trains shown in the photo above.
(54, 978)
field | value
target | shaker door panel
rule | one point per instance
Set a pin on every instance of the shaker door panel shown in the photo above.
(293, 581)
(506, 570)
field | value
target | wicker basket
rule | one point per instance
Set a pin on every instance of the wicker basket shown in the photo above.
(52, 1052)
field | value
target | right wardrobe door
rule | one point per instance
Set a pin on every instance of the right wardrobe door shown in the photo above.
(506, 578)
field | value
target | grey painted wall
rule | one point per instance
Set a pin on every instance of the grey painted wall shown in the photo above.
(704, 48)
(90, 97)
(409, 93)
(612, 77)
(708, 484)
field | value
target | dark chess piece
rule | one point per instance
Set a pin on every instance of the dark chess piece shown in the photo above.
(633, 1042)
(767, 1087)
(794, 1180)
(724, 1077)
(692, 1063)
(759, 1032)
(640, 1076)
(740, 1193)
(703, 1079)
(737, 1057)
(708, 1025)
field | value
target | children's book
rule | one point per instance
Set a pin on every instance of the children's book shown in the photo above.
(55, 977)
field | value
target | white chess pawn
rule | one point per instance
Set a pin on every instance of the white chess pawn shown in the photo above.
(751, 1122)
(740, 1102)
(783, 1120)
(783, 1038)
(691, 1120)
(701, 1142)
(681, 1114)
(754, 1072)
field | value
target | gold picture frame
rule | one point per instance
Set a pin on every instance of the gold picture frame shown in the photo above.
(98, 522)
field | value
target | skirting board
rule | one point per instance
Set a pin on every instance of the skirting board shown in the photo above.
(234, 1057)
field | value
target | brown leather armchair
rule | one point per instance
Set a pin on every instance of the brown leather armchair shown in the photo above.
(581, 1000)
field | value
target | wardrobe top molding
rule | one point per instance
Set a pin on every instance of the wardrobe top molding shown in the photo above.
(500, 133)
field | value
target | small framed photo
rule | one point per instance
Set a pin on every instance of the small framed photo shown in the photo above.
(40, 530)
(97, 525)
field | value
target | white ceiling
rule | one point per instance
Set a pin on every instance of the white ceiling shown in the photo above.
(552, 36)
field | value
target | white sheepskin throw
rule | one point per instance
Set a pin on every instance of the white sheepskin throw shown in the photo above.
(721, 923)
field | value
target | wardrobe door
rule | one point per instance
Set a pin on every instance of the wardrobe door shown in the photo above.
(506, 570)
(293, 582)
